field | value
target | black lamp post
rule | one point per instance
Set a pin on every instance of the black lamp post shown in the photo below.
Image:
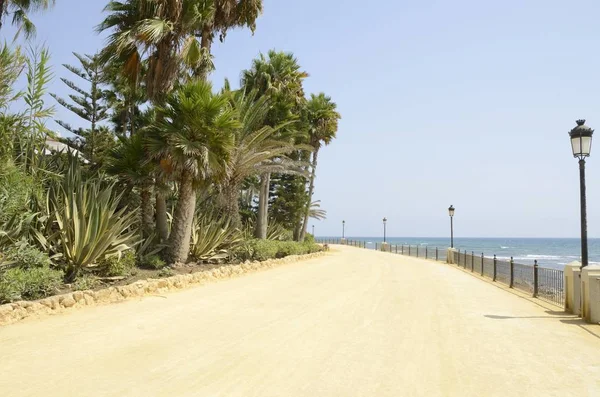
(343, 229)
(451, 213)
(581, 143)
(384, 224)
(313, 230)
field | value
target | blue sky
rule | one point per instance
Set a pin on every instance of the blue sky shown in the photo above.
(464, 102)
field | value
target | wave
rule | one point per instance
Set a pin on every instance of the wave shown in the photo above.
(544, 257)
(503, 247)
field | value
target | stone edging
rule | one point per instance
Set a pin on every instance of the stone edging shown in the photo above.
(17, 311)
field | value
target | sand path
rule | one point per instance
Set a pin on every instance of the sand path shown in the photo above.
(353, 323)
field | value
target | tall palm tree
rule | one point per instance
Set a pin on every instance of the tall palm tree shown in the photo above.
(256, 150)
(20, 10)
(192, 137)
(321, 118)
(279, 77)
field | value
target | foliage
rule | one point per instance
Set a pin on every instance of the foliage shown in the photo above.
(261, 250)
(118, 265)
(153, 262)
(166, 272)
(288, 200)
(213, 238)
(12, 63)
(89, 225)
(26, 257)
(85, 282)
(90, 105)
(316, 212)
(20, 9)
(16, 190)
(34, 283)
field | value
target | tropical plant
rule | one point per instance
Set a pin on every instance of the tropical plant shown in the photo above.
(88, 103)
(192, 139)
(88, 224)
(12, 63)
(279, 77)
(316, 212)
(129, 162)
(255, 150)
(20, 9)
(321, 118)
(213, 237)
(18, 284)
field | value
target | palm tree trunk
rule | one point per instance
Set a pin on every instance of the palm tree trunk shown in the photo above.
(232, 204)
(263, 207)
(206, 43)
(147, 215)
(2, 11)
(310, 194)
(162, 223)
(181, 230)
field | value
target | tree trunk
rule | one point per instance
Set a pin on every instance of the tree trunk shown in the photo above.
(231, 205)
(205, 43)
(310, 194)
(263, 207)
(147, 213)
(162, 223)
(181, 229)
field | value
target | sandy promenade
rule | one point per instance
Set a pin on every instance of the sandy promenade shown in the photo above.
(353, 323)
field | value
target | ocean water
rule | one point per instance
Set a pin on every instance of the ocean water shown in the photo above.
(549, 252)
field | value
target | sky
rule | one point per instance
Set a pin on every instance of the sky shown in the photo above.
(458, 102)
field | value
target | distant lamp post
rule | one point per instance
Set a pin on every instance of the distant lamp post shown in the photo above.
(343, 229)
(451, 213)
(313, 230)
(384, 231)
(581, 143)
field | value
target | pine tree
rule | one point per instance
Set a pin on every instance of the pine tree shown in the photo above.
(88, 104)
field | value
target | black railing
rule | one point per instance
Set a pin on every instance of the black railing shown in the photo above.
(541, 282)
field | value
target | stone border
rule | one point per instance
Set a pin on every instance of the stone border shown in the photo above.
(17, 311)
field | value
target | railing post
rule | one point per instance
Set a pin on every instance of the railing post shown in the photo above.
(512, 272)
(408, 249)
(396, 248)
(535, 279)
(436, 253)
(375, 246)
(482, 264)
(472, 261)
(426, 252)
(402, 249)
(494, 279)
(417, 251)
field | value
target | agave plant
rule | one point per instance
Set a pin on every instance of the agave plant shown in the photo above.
(88, 224)
(213, 238)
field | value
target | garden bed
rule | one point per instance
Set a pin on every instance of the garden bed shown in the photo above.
(136, 287)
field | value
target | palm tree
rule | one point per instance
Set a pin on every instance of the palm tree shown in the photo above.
(128, 161)
(226, 15)
(20, 9)
(192, 137)
(279, 77)
(316, 212)
(256, 150)
(321, 119)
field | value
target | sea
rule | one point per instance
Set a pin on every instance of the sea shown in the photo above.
(552, 253)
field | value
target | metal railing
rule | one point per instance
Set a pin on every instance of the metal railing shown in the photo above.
(423, 251)
(544, 283)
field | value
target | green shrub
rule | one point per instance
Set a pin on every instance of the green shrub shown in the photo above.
(261, 250)
(27, 257)
(28, 284)
(166, 272)
(85, 282)
(153, 262)
(115, 266)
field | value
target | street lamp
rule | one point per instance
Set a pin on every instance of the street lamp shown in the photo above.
(343, 229)
(313, 230)
(384, 223)
(451, 213)
(581, 143)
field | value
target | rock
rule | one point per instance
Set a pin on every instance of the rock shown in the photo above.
(68, 301)
(36, 308)
(89, 299)
(78, 296)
